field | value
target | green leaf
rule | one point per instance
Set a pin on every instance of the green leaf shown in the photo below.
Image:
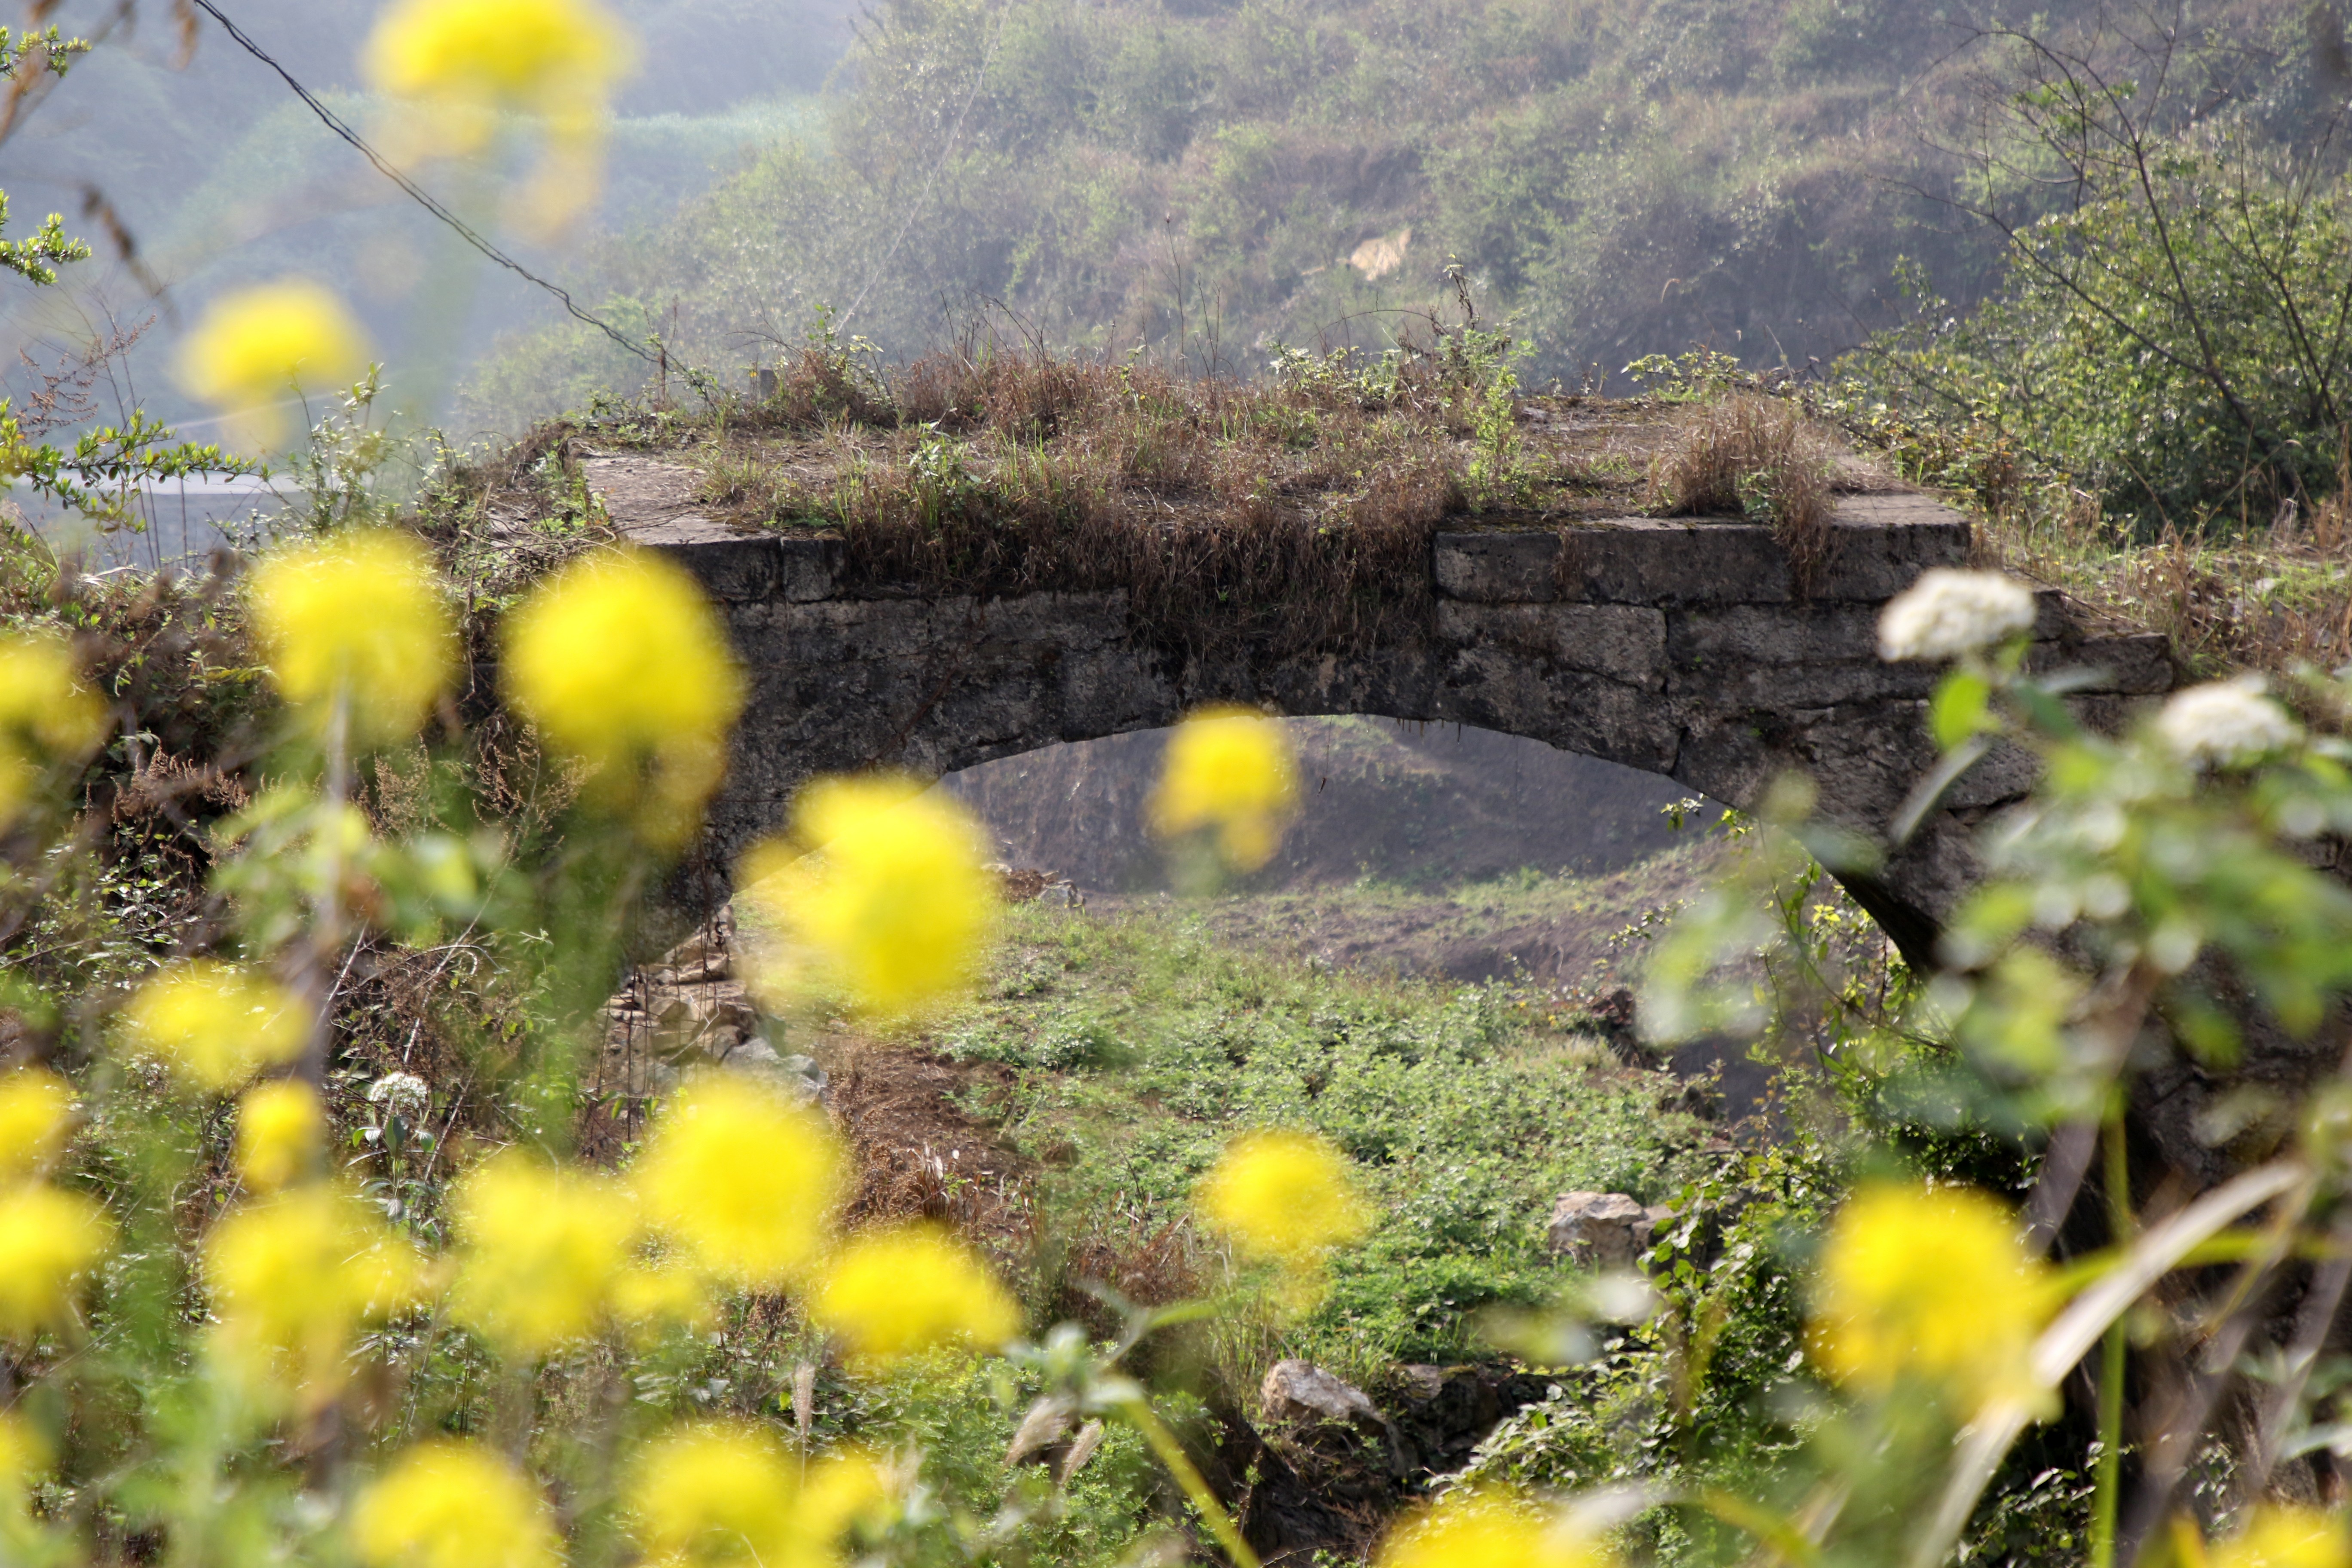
(1961, 707)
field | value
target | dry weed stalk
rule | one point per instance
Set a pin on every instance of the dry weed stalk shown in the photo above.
(1751, 455)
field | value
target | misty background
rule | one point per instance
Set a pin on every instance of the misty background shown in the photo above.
(1194, 180)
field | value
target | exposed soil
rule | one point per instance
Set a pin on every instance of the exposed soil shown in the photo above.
(920, 1153)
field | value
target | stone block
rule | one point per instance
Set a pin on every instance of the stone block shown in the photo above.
(1654, 561)
(1623, 642)
(1708, 636)
(1498, 568)
(733, 565)
(1798, 686)
(808, 568)
(1880, 545)
(2136, 665)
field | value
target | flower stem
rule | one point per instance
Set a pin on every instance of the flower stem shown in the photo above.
(1138, 1414)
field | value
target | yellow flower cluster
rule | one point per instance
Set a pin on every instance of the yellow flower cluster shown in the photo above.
(49, 1238)
(445, 1504)
(357, 624)
(46, 715)
(541, 1248)
(1933, 1285)
(1488, 1530)
(1283, 1196)
(882, 890)
(1230, 772)
(739, 1187)
(293, 1278)
(256, 348)
(744, 1181)
(216, 1024)
(459, 64)
(621, 664)
(725, 1493)
(899, 1292)
(282, 1134)
(2286, 1537)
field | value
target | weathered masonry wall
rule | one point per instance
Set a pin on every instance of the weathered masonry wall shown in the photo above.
(1681, 648)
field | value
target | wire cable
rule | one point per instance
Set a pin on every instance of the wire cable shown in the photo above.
(335, 123)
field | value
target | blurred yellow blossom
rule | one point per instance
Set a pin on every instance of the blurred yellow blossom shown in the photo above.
(36, 1118)
(540, 1249)
(844, 1490)
(620, 663)
(1229, 770)
(357, 617)
(718, 1492)
(48, 1240)
(460, 63)
(255, 348)
(2285, 1537)
(46, 713)
(23, 1456)
(445, 1504)
(651, 1301)
(743, 1178)
(1284, 1195)
(1488, 1530)
(1930, 1283)
(901, 1291)
(215, 1024)
(292, 1279)
(890, 899)
(725, 1492)
(281, 1132)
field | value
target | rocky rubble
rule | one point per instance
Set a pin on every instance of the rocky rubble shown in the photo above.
(1601, 1230)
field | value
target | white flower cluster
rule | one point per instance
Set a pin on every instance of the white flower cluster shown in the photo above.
(1945, 613)
(2225, 723)
(400, 1094)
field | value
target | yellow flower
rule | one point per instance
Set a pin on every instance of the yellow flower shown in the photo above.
(468, 57)
(899, 1292)
(1283, 1195)
(2286, 1537)
(46, 711)
(23, 1456)
(891, 899)
(256, 348)
(36, 1118)
(360, 617)
(216, 1024)
(745, 1180)
(651, 1301)
(281, 1130)
(1230, 770)
(445, 1504)
(1932, 1283)
(723, 1492)
(844, 1490)
(48, 1240)
(620, 663)
(293, 1278)
(712, 1493)
(541, 1250)
(1488, 1529)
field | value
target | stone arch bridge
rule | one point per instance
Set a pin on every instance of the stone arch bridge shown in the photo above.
(1683, 647)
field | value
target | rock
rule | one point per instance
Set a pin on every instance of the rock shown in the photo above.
(1300, 1390)
(1442, 1413)
(1598, 1230)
